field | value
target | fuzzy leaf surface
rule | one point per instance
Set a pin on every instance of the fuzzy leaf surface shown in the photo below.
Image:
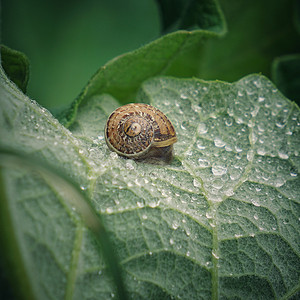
(221, 221)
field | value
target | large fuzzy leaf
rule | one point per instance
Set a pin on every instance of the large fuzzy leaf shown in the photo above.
(221, 221)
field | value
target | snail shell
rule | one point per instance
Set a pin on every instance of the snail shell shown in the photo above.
(140, 131)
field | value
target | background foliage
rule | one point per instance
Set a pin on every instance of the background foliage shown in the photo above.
(67, 42)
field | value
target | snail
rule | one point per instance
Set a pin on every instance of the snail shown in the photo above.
(142, 132)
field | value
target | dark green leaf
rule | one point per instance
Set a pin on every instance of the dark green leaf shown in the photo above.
(297, 14)
(286, 75)
(187, 14)
(16, 66)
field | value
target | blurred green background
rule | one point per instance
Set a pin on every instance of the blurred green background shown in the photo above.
(67, 41)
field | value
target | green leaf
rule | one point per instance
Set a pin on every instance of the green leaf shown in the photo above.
(286, 75)
(184, 14)
(16, 66)
(123, 76)
(297, 15)
(221, 221)
(50, 183)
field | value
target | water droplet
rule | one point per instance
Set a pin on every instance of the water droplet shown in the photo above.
(278, 182)
(175, 225)
(261, 151)
(208, 263)
(196, 108)
(196, 183)
(113, 155)
(153, 204)
(203, 163)
(217, 183)
(228, 122)
(238, 149)
(255, 203)
(280, 124)
(250, 155)
(202, 129)
(208, 215)
(219, 170)
(140, 204)
(129, 184)
(229, 192)
(200, 146)
(254, 111)
(138, 181)
(283, 155)
(219, 143)
(129, 166)
(184, 125)
(215, 255)
(109, 210)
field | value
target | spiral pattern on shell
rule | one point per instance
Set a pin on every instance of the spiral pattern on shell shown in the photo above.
(133, 129)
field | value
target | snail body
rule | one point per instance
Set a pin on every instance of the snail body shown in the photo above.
(140, 131)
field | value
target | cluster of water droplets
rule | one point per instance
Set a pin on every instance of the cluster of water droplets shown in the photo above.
(37, 132)
(220, 143)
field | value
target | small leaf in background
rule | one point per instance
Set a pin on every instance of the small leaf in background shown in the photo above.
(286, 75)
(187, 14)
(221, 221)
(16, 66)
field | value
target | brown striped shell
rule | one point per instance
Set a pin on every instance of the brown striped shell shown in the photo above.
(140, 131)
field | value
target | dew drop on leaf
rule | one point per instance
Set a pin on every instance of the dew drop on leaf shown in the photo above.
(175, 225)
(218, 170)
(196, 183)
(203, 163)
(129, 165)
(219, 143)
(202, 129)
(215, 255)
